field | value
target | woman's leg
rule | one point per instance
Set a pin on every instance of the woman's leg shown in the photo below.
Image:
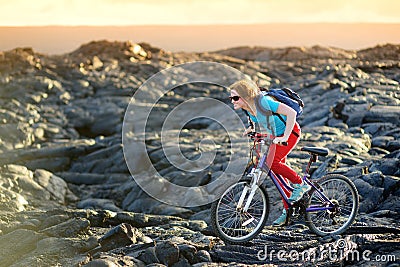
(286, 191)
(276, 161)
(277, 158)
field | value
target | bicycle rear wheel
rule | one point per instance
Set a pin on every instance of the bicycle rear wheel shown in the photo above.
(231, 223)
(342, 192)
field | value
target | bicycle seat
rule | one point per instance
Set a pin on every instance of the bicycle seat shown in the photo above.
(321, 151)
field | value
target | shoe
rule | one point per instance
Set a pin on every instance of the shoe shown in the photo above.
(281, 220)
(298, 192)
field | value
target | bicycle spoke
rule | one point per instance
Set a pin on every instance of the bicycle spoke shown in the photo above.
(343, 203)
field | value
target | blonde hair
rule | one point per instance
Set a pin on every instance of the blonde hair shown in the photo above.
(246, 89)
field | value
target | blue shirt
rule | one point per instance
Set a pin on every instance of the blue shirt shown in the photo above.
(278, 127)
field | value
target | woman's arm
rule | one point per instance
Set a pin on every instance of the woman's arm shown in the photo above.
(290, 121)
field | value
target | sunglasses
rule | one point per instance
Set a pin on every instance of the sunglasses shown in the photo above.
(234, 98)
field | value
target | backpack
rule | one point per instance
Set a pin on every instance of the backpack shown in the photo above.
(286, 96)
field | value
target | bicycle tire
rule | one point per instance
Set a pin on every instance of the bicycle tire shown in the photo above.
(342, 191)
(223, 211)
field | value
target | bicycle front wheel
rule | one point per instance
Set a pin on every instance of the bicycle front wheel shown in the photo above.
(234, 225)
(342, 193)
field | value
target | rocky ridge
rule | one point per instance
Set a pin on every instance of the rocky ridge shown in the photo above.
(67, 197)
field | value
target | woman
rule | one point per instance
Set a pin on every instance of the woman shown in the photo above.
(245, 95)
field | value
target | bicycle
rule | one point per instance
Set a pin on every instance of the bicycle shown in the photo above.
(241, 212)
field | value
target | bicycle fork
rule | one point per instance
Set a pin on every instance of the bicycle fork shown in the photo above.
(248, 193)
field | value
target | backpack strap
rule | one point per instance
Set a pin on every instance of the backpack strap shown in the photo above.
(279, 116)
(269, 113)
(266, 112)
(259, 106)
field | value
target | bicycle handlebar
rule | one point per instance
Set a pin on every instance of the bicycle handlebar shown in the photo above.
(259, 136)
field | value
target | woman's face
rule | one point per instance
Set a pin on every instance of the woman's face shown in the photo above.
(236, 100)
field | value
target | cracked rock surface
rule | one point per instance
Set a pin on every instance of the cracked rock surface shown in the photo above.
(67, 197)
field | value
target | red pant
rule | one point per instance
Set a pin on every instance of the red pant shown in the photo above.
(277, 157)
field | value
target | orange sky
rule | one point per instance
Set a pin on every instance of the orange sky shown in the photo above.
(200, 38)
(184, 12)
(349, 24)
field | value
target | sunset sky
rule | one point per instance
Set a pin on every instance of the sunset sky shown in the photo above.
(185, 12)
(60, 26)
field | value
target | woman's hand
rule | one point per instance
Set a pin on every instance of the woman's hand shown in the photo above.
(280, 140)
(248, 130)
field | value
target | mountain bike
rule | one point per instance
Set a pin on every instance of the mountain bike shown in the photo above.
(240, 214)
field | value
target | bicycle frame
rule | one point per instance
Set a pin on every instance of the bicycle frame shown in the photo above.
(278, 180)
(328, 206)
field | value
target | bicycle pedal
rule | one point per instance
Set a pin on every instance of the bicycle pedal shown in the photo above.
(296, 203)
